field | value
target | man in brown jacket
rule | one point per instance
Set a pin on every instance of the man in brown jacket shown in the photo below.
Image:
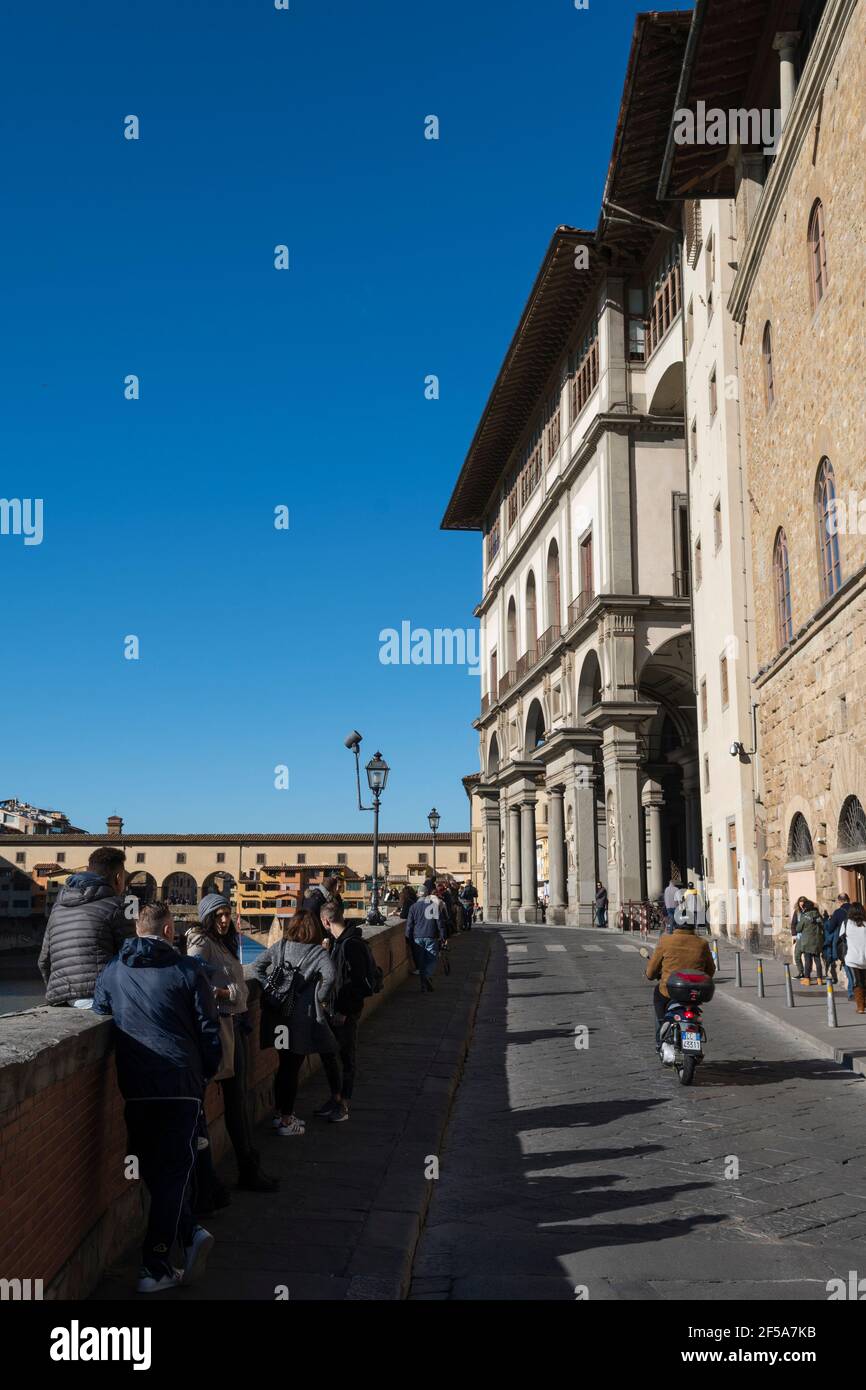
(682, 950)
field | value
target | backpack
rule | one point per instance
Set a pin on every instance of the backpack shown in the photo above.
(374, 979)
(278, 990)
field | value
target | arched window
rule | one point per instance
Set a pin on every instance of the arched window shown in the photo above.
(531, 614)
(852, 826)
(554, 597)
(782, 588)
(829, 563)
(767, 350)
(799, 840)
(511, 636)
(817, 255)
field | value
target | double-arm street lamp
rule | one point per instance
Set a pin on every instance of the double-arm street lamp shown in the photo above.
(433, 820)
(377, 775)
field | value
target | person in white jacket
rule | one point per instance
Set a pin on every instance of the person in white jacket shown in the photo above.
(854, 931)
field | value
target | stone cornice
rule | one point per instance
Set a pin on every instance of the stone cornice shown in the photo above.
(822, 56)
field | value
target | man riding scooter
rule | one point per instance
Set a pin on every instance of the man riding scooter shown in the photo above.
(681, 950)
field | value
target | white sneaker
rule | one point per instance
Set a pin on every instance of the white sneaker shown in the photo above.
(277, 1120)
(195, 1255)
(148, 1283)
(293, 1127)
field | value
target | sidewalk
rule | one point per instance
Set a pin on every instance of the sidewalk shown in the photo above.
(808, 1018)
(352, 1199)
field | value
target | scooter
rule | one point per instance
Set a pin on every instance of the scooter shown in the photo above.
(682, 1034)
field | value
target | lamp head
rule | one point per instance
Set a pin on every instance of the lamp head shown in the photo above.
(353, 740)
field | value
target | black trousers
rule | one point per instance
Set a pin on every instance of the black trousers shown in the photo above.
(286, 1080)
(660, 1004)
(347, 1039)
(162, 1134)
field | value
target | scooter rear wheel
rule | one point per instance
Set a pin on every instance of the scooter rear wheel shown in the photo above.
(686, 1072)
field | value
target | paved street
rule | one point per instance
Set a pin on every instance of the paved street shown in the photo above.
(566, 1167)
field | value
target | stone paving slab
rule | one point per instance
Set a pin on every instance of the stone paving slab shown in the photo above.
(346, 1220)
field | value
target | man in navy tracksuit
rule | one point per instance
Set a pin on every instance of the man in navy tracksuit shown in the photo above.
(167, 1047)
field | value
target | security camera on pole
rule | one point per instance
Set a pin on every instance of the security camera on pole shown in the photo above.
(377, 775)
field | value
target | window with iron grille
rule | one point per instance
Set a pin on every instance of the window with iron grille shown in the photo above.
(799, 840)
(723, 680)
(817, 255)
(139, 859)
(220, 859)
(782, 586)
(852, 825)
(180, 858)
(828, 530)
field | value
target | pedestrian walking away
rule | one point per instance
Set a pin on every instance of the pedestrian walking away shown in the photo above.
(297, 979)
(87, 927)
(167, 1048)
(215, 942)
(425, 935)
(672, 898)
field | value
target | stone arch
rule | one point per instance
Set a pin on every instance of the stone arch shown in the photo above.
(799, 845)
(851, 826)
(181, 889)
(142, 886)
(670, 391)
(536, 728)
(848, 778)
(493, 756)
(589, 683)
(220, 881)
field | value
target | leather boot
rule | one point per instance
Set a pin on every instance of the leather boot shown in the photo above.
(860, 999)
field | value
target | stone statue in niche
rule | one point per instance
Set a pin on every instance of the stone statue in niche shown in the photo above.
(611, 830)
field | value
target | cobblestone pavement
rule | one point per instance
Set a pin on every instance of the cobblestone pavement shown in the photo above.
(564, 1167)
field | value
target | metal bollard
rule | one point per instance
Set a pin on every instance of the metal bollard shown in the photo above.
(789, 988)
(738, 969)
(831, 1006)
(761, 993)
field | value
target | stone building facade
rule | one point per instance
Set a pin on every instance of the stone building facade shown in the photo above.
(797, 301)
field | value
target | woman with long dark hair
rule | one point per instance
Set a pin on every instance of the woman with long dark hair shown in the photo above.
(300, 1027)
(215, 942)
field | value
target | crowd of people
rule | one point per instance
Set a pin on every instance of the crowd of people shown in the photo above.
(825, 940)
(181, 1021)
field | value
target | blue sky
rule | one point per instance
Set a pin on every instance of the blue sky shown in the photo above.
(261, 388)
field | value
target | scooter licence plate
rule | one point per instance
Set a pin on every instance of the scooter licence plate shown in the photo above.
(691, 1042)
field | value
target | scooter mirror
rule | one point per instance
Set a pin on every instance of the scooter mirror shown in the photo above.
(644, 952)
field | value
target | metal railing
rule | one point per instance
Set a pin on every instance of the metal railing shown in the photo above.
(577, 609)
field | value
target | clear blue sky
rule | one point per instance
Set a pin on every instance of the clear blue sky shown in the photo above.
(305, 388)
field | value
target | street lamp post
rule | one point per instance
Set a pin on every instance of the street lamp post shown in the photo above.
(377, 775)
(433, 820)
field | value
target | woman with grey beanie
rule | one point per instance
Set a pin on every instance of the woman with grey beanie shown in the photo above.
(215, 941)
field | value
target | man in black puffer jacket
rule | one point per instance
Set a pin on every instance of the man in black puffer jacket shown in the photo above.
(86, 928)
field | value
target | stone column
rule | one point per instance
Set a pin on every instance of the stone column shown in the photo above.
(529, 869)
(492, 866)
(514, 865)
(786, 46)
(556, 853)
(622, 760)
(653, 800)
(586, 839)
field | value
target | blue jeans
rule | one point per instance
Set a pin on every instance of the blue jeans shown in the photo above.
(851, 980)
(426, 953)
(669, 916)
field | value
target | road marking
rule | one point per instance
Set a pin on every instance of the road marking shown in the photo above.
(523, 949)
(633, 949)
(592, 948)
(554, 948)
